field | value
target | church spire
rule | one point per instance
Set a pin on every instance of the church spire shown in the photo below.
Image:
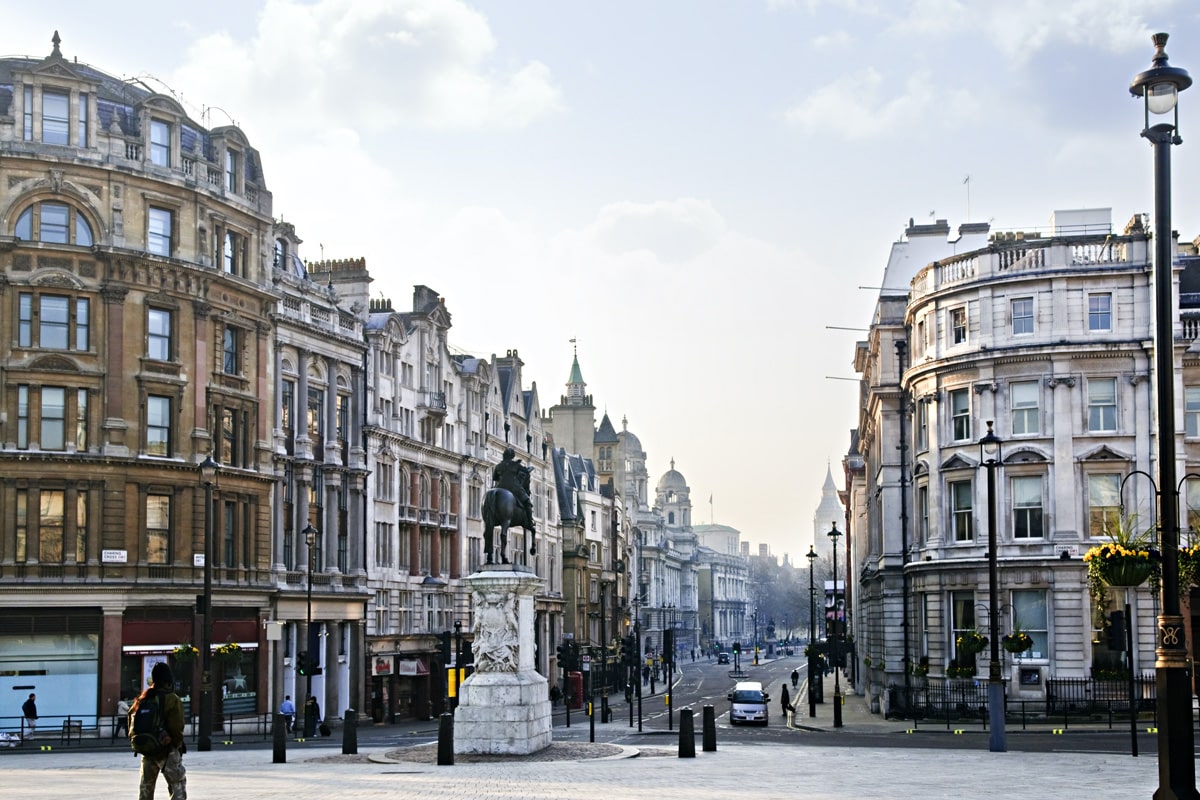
(576, 388)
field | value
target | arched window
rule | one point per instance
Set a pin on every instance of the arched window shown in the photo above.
(55, 223)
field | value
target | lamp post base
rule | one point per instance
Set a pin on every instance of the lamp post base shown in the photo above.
(837, 707)
(997, 740)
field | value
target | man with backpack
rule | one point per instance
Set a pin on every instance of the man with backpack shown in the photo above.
(156, 733)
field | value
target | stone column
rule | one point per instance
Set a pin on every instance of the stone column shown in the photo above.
(504, 707)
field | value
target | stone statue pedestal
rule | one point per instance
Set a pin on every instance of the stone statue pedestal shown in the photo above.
(504, 707)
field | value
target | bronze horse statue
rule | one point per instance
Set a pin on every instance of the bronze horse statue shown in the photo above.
(500, 507)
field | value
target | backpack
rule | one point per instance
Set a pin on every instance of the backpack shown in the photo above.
(148, 726)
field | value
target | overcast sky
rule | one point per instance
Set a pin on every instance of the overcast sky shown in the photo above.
(694, 190)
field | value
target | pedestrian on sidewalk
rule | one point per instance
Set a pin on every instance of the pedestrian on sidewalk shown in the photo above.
(169, 760)
(795, 678)
(785, 700)
(29, 710)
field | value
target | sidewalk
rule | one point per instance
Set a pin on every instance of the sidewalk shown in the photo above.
(856, 711)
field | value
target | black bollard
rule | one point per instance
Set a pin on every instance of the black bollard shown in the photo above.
(279, 739)
(687, 734)
(710, 729)
(350, 733)
(446, 740)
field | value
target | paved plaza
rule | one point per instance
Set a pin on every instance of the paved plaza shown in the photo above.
(764, 772)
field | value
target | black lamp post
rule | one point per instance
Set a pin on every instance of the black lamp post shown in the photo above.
(812, 636)
(208, 476)
(1160, 87)
(310, 540)
(604, 716)
(991, 458)
(833, 534)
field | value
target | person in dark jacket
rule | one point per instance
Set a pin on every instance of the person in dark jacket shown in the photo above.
(312, 716)
(785, 700)
(170, 761)
(29, 710)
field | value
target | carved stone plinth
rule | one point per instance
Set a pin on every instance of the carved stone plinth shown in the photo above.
(504, 707)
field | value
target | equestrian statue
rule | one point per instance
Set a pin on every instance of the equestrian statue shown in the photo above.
(507, 504)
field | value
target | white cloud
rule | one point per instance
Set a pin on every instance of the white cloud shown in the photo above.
(374, 64)
(862, 106)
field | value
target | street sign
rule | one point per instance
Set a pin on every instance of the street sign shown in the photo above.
(586, 658)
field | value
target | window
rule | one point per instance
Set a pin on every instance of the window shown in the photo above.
(53, 434)
(231, 170)
(54, 223)
(1022, 316)
(383, 544)
(158, 529)
(158, 426)
(1192, 499)
(55, 328)
(159, 227)
(1025, 413)
(81, 420)
(922, 425)
(958, 326)
(81, 525)
(385, 477)
(83, 120)
(961, 510)
(1027, 507)
(922, 513)
(1029, 614)
(1100, 312)
(1102, 404)
(1191, 410)
(27, 115)
(230, 351)
(1104, 503)
(158, 334)
(56, 117)
(22, 417)
(962, 606)
(61, 321)
(51, 526)
(233, 253)
(160, 143)
(960, 415)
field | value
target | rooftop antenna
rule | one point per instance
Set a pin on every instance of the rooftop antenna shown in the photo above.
(967, 183)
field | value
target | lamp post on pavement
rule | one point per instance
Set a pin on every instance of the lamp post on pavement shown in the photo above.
(310, 540)
(812, 636)
(833, 534)
(208, 476)
(1160, 87)
(991, 458)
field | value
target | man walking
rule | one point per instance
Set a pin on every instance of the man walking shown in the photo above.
(169, 760)
(288, 709)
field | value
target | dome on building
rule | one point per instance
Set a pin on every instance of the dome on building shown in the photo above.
(671, 479)
(632, 443)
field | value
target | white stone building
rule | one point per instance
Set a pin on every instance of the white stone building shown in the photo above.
(1048, 337)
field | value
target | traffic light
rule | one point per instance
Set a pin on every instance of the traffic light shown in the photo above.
(564, 656)
(446, 648)
(669, 644)
(302, 663)
(737, 647)
(1115, 631)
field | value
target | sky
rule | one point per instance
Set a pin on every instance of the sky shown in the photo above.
(701, 193)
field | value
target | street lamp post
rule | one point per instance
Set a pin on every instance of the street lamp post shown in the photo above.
(991, 458)
(208, 476)
(1160, 87)
(833, 534)
(603, 654)
(812, 635)
(310, 540)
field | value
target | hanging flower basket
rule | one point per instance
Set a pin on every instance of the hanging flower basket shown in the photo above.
(1017, 642)
(228, 654)
(1113, 564)
(956, 672)
(185, 653)
(972, 642)
(1189, 565)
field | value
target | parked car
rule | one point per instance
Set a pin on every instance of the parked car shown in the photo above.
(722, 658)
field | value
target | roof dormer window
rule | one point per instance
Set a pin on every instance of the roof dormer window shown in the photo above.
(232, 160)
(160, 143)
(56, 117)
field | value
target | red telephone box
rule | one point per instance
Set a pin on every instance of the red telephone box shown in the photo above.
(575, 690)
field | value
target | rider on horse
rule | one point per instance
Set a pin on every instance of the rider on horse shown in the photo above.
(512, 475)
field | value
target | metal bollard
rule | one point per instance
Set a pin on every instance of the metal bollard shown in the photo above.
(687, 734)
(445, 757)
(710, 729)
(279, 739)
(350, 733)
